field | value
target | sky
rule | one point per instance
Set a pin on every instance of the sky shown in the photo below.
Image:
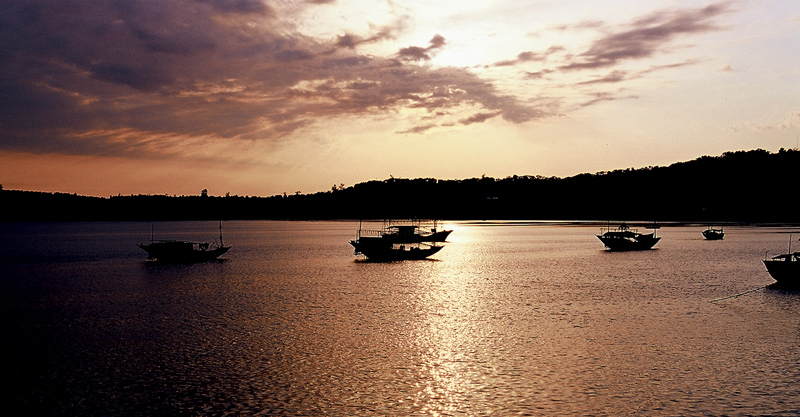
(264, 97)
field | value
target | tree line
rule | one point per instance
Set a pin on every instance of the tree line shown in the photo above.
(754, 186)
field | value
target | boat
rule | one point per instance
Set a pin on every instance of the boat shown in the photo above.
(181, 251)
(623, 238)
(396, 243)
(713, 234)
(785, 268)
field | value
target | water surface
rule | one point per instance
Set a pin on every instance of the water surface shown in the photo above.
(508, 319)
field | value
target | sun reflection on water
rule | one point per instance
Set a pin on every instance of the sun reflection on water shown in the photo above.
(448, 331)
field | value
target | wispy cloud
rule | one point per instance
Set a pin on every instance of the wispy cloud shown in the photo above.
(618, 75)
(647, 36)
(792, 120)
(529, 56)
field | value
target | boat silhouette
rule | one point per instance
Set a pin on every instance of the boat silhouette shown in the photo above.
(713, 234)
(182, 251)
(623, 238)
(785, 268)
(398, 242)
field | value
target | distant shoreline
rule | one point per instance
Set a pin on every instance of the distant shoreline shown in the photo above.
(736, 188)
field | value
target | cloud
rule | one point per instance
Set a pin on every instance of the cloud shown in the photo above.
(419, 129)
(606, 61)
(478, 118)
(416, 53)
(792, 120)
(529, 56)
(583, 24)
(617, 76)
(117, 77)
(647, 36)
(725, 68)
(601, 96)
(612, 77)
(380, 34)
(642, 38)
(204, 68)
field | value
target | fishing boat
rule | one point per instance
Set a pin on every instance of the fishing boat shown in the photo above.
(713, 234)
(181, 251)
(785, 268)
(397, 244)
(623, 238)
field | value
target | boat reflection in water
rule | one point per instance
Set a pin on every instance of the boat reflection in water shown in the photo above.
(624, 238)
(398, 243)
(181, 251)
(785, 268)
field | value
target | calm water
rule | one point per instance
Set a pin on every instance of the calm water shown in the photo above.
(508, 319)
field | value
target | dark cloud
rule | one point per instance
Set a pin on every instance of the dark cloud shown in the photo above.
(416, 53)
(239, 6)
(601, 96)
(96, 77)
(419, 129)
(379, 34)
(478, 118)
(118, 76)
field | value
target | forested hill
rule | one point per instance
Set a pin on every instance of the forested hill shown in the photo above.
(745, 186)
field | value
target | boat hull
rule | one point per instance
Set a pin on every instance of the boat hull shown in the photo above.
(785, 272)
(617, 243)
(713, 234)
(180, 252)
(386, 251)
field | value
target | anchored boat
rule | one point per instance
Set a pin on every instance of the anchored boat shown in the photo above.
(713, 234)
(181, 251)
(398, 243)
(785, 268)
(624, 238)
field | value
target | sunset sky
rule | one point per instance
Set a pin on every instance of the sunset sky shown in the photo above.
(261, 97)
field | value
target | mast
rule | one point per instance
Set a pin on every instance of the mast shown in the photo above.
(220, 234)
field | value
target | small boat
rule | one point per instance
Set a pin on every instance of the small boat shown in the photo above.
(180, 251)
(785, 268)
(624, 238)
(395, 243)
(713, 234)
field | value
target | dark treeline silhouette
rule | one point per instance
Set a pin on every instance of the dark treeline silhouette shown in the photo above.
(744, 187)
